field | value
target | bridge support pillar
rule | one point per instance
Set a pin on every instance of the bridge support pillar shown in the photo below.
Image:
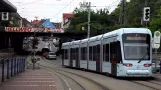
(4, 42)
(16, 43)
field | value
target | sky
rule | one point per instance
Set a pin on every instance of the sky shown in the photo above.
(54, 9)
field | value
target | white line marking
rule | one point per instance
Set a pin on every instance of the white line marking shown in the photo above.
(37, 76)
(34, 78)
(30, 85)
(23, 85)
(51, 85)
(64, 81)
(33, 81)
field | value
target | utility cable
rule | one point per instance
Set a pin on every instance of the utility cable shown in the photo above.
(63, 8)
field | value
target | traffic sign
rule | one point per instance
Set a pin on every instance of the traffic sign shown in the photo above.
(5, 16)
(156, 39)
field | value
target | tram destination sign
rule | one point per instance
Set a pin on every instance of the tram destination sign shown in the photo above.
(156, 40)
(136, 38)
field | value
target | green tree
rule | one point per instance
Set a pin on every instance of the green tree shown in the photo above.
(102, 21)
(156, 21)
(99, 20)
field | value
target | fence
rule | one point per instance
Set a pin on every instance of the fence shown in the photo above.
(10, 67)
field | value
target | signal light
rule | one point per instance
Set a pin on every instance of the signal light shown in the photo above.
(146, 16)
(147, 65)
(127, 64)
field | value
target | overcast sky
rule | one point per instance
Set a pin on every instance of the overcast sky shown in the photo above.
(54, 9)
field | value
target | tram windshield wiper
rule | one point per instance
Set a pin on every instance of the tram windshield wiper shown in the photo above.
(142, 58)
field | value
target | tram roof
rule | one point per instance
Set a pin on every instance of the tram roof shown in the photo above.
(109, 34)
(66, 44)
(135, 30)
(75, 42)
(127, 30)
(98, 37)
(84, 40)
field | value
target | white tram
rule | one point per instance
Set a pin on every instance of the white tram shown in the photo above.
(66, 54)
(126, 52)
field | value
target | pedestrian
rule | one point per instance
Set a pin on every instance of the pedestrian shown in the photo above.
(38, 62)
(44, 54)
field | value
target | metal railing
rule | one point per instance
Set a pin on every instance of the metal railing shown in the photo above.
(11, 66)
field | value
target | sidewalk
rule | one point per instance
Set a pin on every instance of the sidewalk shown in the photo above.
(38, 79)
(30, 80)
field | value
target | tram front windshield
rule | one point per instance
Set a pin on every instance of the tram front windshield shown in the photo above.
(136, 46)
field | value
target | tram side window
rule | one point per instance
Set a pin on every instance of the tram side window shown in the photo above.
(90, 53)
(85, 53)
(104, 52)
(115, 52)
(112, 52)
(94, 53)
(81, 53)
(71, 53)
(76, 54)
(98, 52)
(107, 53)
(66, 53)
(118, 52)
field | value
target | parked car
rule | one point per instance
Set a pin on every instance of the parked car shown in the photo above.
(51, 55)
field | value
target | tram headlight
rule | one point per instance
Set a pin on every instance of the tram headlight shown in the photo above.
(127, 64)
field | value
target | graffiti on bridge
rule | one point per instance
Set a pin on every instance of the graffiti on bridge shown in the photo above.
(30, 29)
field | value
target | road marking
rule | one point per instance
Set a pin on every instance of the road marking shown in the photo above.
(33, 81)
(33, 78)
(29, 85)
(64, 81)
(52, 85)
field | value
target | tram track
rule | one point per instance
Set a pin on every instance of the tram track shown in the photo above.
(155, 82)
(150, 84)
(83, 81)
(62, 76)
(93, 85)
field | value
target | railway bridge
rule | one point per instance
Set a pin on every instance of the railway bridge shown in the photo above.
(12, 37)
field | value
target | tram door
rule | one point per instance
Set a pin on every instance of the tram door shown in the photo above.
(114, 67)
(77, 57)
(116, 57)
(97, 57)
(113, 58)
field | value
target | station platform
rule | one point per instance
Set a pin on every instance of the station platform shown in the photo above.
(30, 80)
